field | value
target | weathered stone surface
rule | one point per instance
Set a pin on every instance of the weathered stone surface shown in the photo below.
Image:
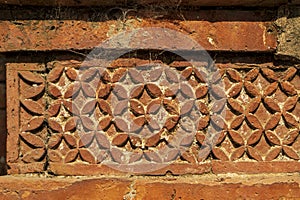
(288, 23)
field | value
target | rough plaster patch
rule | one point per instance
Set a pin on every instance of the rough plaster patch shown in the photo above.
(288, 23)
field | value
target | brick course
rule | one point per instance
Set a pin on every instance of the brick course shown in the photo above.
(205, 187)
(81, 35)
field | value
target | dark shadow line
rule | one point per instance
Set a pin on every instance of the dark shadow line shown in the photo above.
(101, 14)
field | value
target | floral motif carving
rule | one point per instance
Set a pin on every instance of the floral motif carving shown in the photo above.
(94, 115)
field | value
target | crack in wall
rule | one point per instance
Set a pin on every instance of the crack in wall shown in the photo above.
(132, 193)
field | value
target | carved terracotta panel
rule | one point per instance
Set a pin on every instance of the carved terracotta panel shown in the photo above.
(84, 120)
(26, 118)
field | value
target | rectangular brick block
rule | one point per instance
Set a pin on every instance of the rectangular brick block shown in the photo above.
(42, 35)
(61, 188)
(278, 166)
(220, 188)
(95, 120)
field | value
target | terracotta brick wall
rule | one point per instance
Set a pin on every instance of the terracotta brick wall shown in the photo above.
(154, 116)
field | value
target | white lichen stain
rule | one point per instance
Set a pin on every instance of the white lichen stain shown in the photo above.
(211, 41)
(264, 28)
(132, 193)
(121, 25)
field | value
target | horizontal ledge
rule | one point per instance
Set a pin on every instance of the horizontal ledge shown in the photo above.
(206, 187)
(12, 13)
(220, 167)
(147, 2)
(38, 35)
(216, 167)
(221, 58)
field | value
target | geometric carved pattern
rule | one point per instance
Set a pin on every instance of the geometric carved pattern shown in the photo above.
(257, 117)
(264, 115)
(110, 103)
(26, 117)
(33, 133)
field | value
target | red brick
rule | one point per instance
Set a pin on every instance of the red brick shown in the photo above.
(217, 188)
(255, 167)
(34, 188)
(221, 35)
(205, 187)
